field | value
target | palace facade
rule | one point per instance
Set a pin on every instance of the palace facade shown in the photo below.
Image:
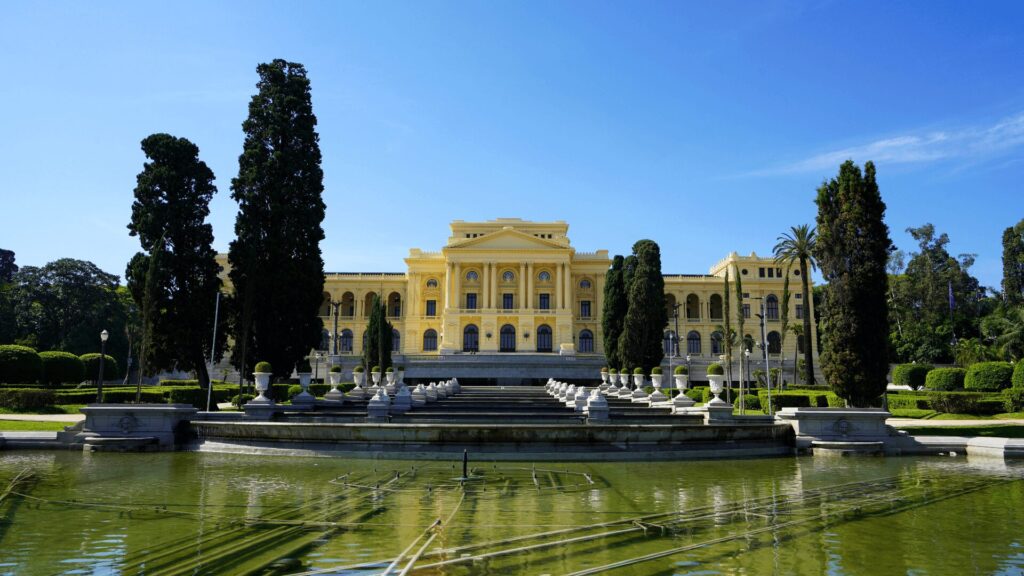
(514, 287)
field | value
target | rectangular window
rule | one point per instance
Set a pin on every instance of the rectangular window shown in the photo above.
(431, 307)
(506, 301)
(585, 308)
(799, 310)
(771, 272)
(746, 294)
(471, 301)
(746, 310)
(799, 296)
(545, 301)
(760, 272)
(778, 272)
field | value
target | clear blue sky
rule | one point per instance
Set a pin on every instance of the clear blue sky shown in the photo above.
(705, 126)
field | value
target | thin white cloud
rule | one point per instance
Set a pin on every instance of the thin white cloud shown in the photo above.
(970, 144)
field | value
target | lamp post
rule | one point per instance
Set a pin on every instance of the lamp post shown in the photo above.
(103, 352)
(316, 369)
(334, 335)
(745, 375)
(687, 363)
(673, 341)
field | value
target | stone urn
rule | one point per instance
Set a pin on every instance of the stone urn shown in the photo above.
(334, 394)
(657, 395)
(304, 397)
(656, 381)
(376, 380)
(390, 387)
(400, 376)
(623, 379)
(604, 380)
(717, 383)
(359, 378)
(681, 382)
(638, 380)
(262, 385)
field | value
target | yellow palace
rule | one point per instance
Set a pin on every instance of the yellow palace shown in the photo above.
(518, 289)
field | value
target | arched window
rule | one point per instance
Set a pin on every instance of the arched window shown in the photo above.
(470, 339)
(748, 343)
(345, 343)
(325, 305)
(348, 304)
(394, 305)
(693, 342)
(396, 340)
(716, 342)
(543, 338)
(716, 306)
(669, 344)
(692, 307)
(585, 284)
(586, 341)
(670, 306)
(544, 276)
(472, 276)
(508, 276)
(508, 338)
(774, 342)
(325, 340)
(771, 307)
(368, 303)
(432, 283)
(430, 340)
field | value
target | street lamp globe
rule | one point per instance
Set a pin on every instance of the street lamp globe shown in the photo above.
(104, 335)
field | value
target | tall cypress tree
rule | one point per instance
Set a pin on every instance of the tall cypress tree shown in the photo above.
(172, 199)
(276, 266)
(614, 311)
(852, 249)
(1013, 264)
(640, 343)
(727, 337)
(375, 327)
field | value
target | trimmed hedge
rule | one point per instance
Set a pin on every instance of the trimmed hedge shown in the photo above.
(907, 402)
(988, 376)
(197, 396)
(945, 379)
(750, 401)
(19, 364)
(910, 374)
(965, 403)
(26, 399)
(1013, 399)
(1017, 380)
(111, 371)
(171, 383)
(61, 368)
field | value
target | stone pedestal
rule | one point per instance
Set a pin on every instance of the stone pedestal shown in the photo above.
(431, 392)
(419, 396)
(682, 400)
(849, 430)
(135, 426)
(456, 388)
(403, 400)
(378, 407)
(581, 399)
(597, 407)
(391, 387)
(304, 400)
(334, 395)
(717, 410)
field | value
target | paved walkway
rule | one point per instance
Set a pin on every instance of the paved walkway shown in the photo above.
(72, 418)
(914, 422)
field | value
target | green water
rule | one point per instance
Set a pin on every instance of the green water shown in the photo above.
(190, 513)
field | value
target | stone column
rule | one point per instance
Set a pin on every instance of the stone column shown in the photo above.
(558, 287)
(485, 298)
(457, 285)
(494, 285)
(447, 284)
(523, 298)
(567, 287)
(528, 297)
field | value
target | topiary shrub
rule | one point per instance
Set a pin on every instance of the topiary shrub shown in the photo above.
(638, 370)
(294, 391)
(375, 369)
(988, 376)
(1017, 380)
(1013, 399)
(715, 369)
(907, 402)
(750, 401)
(389, 370)
(613, 371)
(263, 368)
(244, 397)
(336, 369)
(696, 394)
(358, 369)
(61, 368)
(111, 371)
(197, 397)
(19, 364)
(681, 370)
(656, 370)
(955, 402)
(910, 374)
(26, 399)
(945, 379)
(279, 392)
(604, 369)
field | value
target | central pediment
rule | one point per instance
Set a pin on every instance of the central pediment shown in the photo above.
(507, 239)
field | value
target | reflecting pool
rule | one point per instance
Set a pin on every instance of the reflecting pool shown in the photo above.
(202, 513)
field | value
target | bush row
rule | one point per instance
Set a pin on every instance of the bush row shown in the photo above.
(981, 376)
(910, 374)
(23, 365)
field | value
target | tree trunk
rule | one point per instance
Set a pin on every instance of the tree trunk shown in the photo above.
(808, 341)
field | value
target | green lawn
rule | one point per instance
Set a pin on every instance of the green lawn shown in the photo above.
(30, 426)
(995, 431)
(59, 409)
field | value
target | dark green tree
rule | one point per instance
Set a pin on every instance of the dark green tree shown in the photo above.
(728, 335)
(614, 312)
(276, 267)
(1013, 264)
(7, 266)
(8, 321)
(798, 246)
(65, 304)
(172, 201)
(920, 294)
(376, 327)
(640, 344)
(852, 249)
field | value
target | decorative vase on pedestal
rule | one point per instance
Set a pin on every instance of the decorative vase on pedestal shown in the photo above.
(262, 385)
(681, 382)
(657, 395)
(717, 385)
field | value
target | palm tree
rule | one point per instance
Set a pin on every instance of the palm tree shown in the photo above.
(798, 246)
(798, 332)
(1006, 329)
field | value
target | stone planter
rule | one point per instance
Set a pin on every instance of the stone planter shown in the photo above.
(400, 378)
(390, 376)
(304, 398)
(334, 394)
(623, 379)
(638, 380)
(656, 380)
(681, 380)
(657, 395)
(375, 376)
(262, 385)
(717, 385)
